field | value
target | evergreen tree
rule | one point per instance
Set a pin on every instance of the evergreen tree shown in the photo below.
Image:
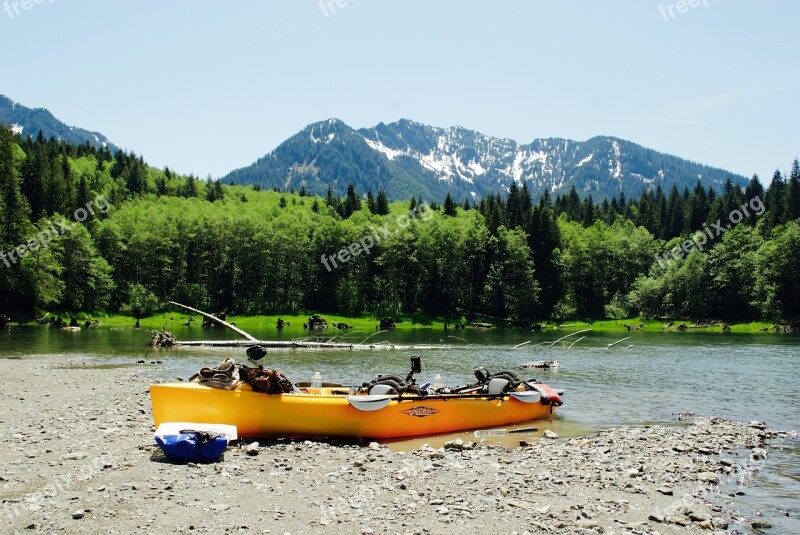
(776, 202)
(83, 196)
(14, 209)
(136, 177)
(190, 188)
(792, 203)
(215, 192)
(382, 204)
(449, 206)
(68, 203)
(351, 202)
(34, 171)
(587, 210)
(55, 191)
(697, 208)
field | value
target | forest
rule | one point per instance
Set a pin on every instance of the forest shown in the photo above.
(157, 236)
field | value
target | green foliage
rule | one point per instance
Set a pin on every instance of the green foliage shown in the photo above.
(511, 288)
(246, 251)
(140, 303)
(778, 265)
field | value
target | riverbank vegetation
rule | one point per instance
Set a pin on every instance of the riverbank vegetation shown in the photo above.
(237, 249)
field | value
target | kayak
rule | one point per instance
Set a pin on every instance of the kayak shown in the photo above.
(337, 412)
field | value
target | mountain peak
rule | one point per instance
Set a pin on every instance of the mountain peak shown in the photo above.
(30, 121)
(409, 158)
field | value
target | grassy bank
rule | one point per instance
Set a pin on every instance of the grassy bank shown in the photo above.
(293, 323)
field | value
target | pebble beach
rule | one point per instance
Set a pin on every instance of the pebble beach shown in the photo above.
(80, 458)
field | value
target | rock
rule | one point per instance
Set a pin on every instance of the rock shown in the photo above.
(586, 523)
(708, 477)
(666, 491)
(550, 434)
(760, 524)
(698, 516)
(252, 448)
(456, 445)
(443, 510)
(758, 454)
(77, 515)
(656, 518)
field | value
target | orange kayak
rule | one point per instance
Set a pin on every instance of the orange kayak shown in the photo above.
(332, 412)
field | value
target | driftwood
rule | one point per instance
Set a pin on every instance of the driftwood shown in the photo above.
(564, 337)
(305, 344)
(250, 340)
(162, 339)
(617, 342)
(575, 342)
(544, 364)
(217, 320)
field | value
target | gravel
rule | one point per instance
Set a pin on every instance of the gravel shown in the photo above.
(79, 458)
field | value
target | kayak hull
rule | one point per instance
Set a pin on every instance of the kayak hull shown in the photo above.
(326, 414)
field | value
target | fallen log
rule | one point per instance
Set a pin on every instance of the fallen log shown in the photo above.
(289, 344)
(217, 320)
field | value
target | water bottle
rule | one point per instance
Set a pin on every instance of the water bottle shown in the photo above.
(438, 382)
(316, 380)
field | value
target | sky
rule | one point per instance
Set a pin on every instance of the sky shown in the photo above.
(210, 86)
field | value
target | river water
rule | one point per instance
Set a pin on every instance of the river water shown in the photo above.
(647, 379)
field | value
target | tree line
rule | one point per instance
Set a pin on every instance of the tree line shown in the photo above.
(236, 248)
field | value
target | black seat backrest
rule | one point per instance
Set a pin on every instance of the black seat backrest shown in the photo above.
(513, 379)
(397, 383)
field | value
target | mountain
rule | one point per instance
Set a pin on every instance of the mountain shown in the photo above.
(29, 121)
(407, 158)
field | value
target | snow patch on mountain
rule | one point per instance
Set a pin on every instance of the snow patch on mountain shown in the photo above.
(17, 129)
(380, 147)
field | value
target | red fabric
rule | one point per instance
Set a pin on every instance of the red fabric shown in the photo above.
(549, 394)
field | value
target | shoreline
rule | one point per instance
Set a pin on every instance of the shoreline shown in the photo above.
(80, 445)
(169, 320)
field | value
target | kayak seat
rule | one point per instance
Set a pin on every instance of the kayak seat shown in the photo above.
(497, 385)
(502, 381)
(379, 390)
(386, 385)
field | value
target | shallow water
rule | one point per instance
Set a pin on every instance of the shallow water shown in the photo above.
(740, 377)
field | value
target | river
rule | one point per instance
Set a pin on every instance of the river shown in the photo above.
(647, 379)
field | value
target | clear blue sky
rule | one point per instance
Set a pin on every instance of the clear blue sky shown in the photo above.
(207, 87)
